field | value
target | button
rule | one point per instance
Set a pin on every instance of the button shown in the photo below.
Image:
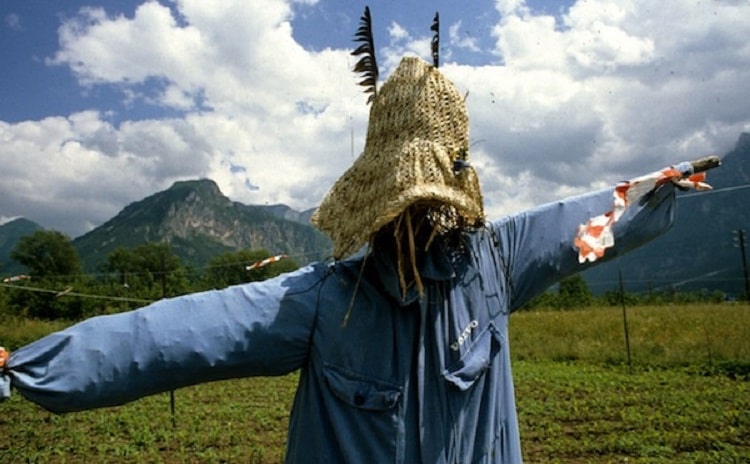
(359, 399)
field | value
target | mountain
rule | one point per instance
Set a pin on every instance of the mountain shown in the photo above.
(699, 252)
(199, 222)
(10, 233)
(285, 212)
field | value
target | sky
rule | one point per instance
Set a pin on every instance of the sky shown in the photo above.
(104, 103)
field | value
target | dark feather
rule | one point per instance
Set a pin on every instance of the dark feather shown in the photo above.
(367, 65)
(436, 40)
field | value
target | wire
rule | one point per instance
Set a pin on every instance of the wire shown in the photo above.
(68, 293)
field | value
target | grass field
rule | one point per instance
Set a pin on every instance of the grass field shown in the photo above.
(708, 336)
(687, 399)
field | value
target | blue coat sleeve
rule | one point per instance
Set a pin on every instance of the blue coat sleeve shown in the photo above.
(538, 245)
(262, 328)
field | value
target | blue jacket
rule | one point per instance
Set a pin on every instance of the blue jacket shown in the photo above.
(405, 380)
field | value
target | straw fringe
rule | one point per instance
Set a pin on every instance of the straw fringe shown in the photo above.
(354, 293)
(412, 254)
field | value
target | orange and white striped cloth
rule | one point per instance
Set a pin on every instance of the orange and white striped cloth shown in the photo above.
(594, 237)
(262, 263)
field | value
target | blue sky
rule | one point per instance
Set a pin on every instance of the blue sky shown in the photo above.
(103, 103)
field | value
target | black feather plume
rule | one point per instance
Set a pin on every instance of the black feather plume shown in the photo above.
(436, 40)
(367, 65)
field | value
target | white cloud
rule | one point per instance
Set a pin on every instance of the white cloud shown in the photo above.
(281, 112)
(402, 43)
(601, 92)
(512, 7)
(13, 22)
(462, 41)
(613, 88)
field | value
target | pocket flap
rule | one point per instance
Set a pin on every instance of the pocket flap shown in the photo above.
(360, 391)
(475, 359)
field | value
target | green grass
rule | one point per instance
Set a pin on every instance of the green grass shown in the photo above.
(709, 336)
(19, 331)
(231, 421)
(582, 413)
(687, 400)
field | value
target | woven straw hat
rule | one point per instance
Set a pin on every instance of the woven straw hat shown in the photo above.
(416, 152)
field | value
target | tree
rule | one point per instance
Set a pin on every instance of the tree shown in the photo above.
(121, 262)
(149, 271)
(54, 265)
(573, 293)
(47, 253)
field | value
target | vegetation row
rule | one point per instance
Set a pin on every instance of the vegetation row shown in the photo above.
(57, 288)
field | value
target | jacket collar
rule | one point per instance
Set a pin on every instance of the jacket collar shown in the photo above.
(436, 266)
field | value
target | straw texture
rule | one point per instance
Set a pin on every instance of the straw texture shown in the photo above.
(417, 130)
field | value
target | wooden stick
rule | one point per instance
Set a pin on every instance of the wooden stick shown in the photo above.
(704, 164)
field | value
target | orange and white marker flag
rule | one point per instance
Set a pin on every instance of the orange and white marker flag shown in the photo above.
(262, 263)
(594, 237)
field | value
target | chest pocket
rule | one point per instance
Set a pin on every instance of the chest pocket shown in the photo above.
(475, 359)
(359, 391)
(359, 406)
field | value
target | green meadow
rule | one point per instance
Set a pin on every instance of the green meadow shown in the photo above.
(683, 398)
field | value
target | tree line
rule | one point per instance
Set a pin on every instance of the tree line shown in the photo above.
(57, 288)
(573, 293)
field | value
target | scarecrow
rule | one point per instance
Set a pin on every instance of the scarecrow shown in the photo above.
(402, 339)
